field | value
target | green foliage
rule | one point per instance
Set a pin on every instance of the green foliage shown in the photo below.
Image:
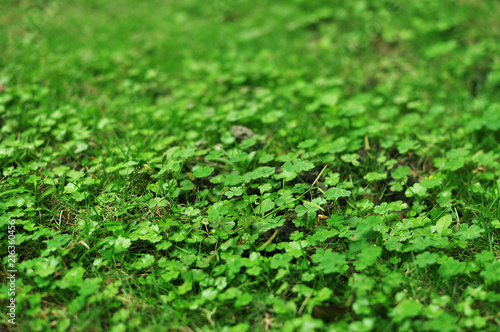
(240, 166)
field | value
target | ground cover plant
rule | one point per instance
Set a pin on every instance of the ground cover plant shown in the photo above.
(250, 166)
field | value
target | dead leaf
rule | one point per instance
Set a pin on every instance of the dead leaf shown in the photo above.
(241, 133)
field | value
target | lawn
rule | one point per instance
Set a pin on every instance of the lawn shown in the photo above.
(234, 165)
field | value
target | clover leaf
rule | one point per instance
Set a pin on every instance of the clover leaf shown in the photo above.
(202, 172)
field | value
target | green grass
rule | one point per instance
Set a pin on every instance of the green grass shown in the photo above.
(250, 166)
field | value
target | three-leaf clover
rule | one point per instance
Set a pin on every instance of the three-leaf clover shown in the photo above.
(203, 171)
(336, 193)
